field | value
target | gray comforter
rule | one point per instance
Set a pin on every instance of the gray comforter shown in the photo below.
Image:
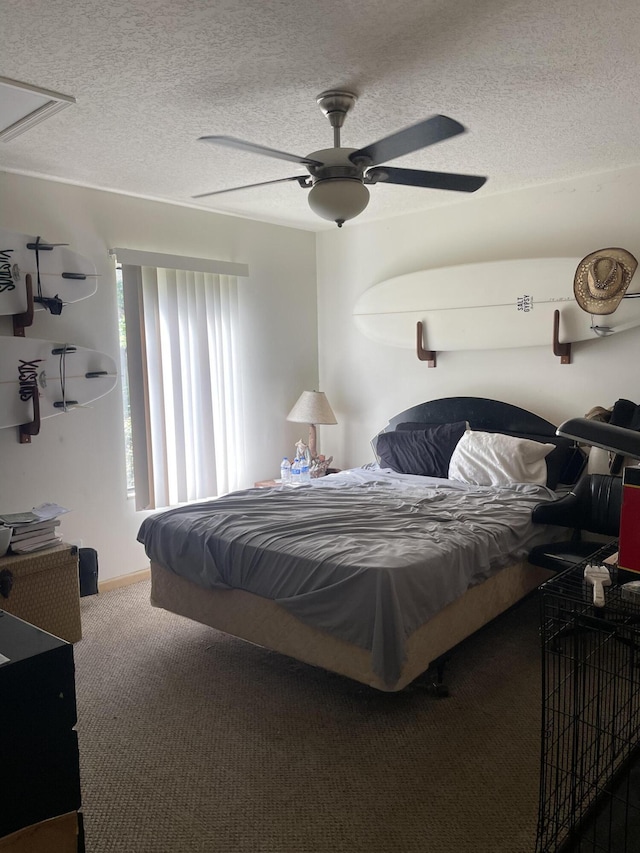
(367, 555)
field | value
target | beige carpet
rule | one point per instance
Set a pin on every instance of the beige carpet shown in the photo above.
(194, 741)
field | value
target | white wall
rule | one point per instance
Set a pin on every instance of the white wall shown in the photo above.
(367, 382)
(78, 458)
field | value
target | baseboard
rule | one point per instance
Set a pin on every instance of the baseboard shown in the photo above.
(124, 580)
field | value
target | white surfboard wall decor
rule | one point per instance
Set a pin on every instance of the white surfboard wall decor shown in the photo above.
(491, 305)
(64, 376)
(63, 272)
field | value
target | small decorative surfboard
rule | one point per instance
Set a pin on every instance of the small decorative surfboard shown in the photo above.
(63, 376)
(63, 273)
(490, 305)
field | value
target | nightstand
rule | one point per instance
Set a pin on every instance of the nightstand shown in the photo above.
(269, 484)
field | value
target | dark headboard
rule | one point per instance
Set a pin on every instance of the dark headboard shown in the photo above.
(495, 416)
(481, 413)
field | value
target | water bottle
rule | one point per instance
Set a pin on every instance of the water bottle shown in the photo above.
(285, 471)
(305, 476)
(295, 472)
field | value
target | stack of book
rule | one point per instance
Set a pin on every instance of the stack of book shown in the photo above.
(34, 535)
(33, 531)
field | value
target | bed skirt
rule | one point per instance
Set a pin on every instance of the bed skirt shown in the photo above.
(265, 623)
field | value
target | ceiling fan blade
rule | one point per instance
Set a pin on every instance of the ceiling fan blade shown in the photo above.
(420, 135)
(420, 178)
(252, 148)
(303, 180)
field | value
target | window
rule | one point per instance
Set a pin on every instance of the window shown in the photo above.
(184, 378)
(124, 373)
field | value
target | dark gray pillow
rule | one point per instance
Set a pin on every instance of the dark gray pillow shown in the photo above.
(425, 451)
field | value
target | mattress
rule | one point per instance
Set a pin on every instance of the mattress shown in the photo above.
(367, 556)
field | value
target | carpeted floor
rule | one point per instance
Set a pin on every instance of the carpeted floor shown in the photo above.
(195, 742)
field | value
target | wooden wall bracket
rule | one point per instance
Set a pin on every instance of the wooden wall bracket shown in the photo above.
(563, 351)
(424, 354)
(25, 431)
(20, 321)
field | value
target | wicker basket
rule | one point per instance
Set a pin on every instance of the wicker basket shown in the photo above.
(44, 590)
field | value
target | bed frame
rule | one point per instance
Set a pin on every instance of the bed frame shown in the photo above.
(262, 621)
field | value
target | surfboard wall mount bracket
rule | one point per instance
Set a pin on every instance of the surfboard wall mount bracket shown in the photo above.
(563, 351)
(427, 355)
(21, 321)
(25, 431)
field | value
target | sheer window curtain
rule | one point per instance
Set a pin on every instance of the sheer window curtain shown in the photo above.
(185, 384)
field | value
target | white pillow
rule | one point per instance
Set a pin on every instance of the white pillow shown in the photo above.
(493, 459)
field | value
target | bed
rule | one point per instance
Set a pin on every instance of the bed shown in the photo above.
(377, 572)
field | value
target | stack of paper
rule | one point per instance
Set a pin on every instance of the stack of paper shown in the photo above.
(35, 530)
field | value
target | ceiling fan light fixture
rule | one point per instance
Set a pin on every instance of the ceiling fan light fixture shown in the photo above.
(338, 199)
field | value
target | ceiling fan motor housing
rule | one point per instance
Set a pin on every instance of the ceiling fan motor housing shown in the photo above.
(335, 163)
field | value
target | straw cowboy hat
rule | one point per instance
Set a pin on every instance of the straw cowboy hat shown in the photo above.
(602, 279)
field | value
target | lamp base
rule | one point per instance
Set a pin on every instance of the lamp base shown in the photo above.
(312, 441)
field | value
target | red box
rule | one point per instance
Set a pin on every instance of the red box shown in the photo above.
(629, 544)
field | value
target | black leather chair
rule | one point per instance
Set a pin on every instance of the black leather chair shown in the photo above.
(593, 506)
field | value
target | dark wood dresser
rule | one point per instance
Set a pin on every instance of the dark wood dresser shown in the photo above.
(39, 761)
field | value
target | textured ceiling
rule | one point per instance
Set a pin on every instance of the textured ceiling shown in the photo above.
(547, 89)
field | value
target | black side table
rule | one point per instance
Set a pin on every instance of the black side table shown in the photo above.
(39, 766)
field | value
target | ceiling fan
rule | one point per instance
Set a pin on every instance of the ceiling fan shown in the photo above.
(338, 177)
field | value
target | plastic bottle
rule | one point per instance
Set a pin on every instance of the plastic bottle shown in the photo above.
(305, 476)
(295, 472)
(285, 471)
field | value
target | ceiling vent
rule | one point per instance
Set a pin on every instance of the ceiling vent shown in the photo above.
(22, 106)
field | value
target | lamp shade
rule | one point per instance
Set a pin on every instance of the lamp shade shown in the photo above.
(625, 442)
(312, 407)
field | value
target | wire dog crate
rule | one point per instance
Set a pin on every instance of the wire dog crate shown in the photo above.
(590, 754)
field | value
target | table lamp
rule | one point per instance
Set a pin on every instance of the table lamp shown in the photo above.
(312, 408)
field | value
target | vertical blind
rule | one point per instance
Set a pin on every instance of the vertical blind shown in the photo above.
(185, 384)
